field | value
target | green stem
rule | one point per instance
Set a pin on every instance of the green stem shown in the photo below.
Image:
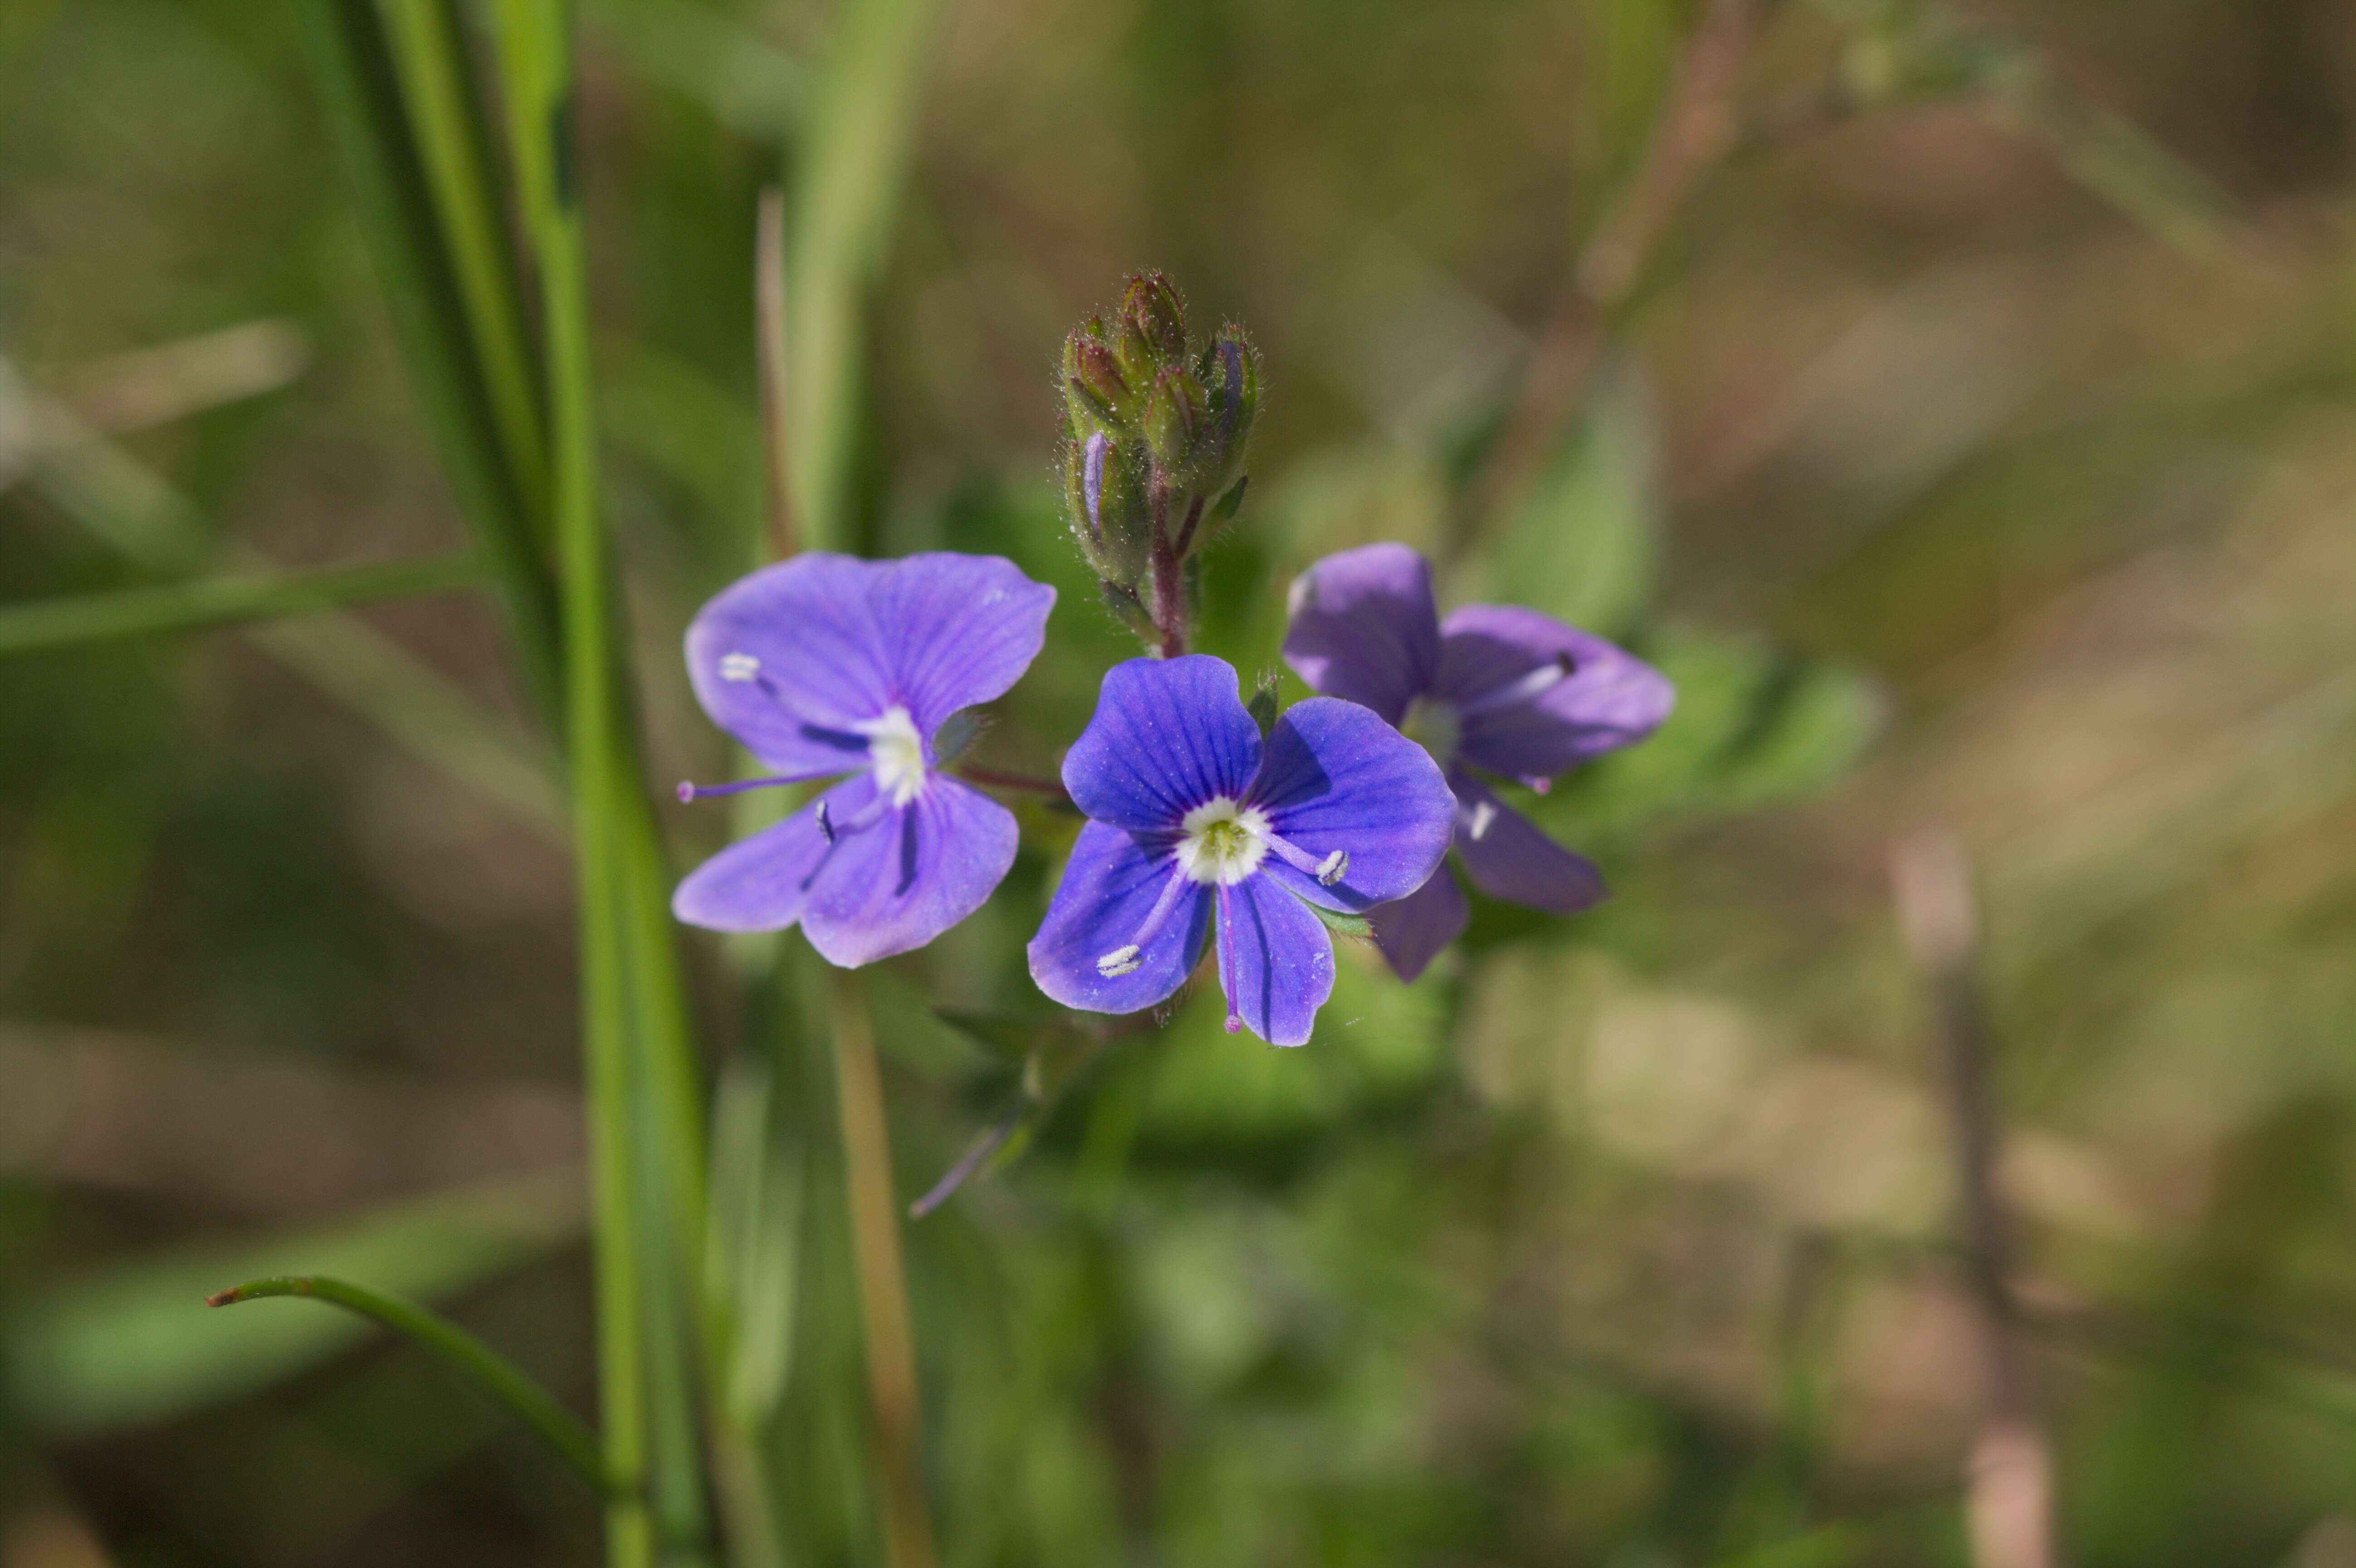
(536, 71)
(494, 1375)
(211, 603)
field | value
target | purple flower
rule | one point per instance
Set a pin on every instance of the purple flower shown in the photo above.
(1494, 687)
(1196, 827)
(826, 665)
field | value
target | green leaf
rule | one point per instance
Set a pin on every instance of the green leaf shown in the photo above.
(134, 1345)
(212, 603)
(1584, 544)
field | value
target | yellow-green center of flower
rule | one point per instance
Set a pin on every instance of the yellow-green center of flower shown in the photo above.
(896, 753)
(1222, 842)
(1434, 726)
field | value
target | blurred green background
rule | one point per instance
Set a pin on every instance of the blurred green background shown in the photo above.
(1975, 450)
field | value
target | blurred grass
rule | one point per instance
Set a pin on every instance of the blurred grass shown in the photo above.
(1966, 458)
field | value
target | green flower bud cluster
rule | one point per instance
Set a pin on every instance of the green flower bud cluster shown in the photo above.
(1156, 429)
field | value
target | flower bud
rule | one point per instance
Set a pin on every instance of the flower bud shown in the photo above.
(1104, 497)
(1153, 306)
(1231, 371)
(1175, 416)
(1099, 394)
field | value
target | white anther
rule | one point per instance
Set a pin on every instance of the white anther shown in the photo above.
(1484, 816)
(739, 667)
(1332, 869)
(1119, 962)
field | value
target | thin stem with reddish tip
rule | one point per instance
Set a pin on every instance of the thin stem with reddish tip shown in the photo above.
(489, 1372)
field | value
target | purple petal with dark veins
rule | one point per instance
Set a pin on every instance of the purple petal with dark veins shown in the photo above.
(1412, 932)
(762, 884)
(1365, 628)
(1336, 777)
(1276, 961)
(1168, 735)
(895, 885)
(793, 658)
(1608, 700)
(1109, 890)
(959, 629)
(1509, 859)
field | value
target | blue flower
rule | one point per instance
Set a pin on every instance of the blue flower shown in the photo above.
(826, 665)
(1495, 688)
(1198, 829)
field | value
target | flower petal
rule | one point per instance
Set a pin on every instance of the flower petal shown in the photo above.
(789, 660)
(1412, 931)
(793, 658)
(1610, 699)
(960, 629)
(762, 884)
(1168, 735)
(1338, 777)
(1364, 629)
(1108, 891)
(895, 885)
(1276, 961)
(1509, 859)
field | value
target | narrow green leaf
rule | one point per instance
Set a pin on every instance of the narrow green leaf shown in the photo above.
(436, 77)
(489, 1372)
(647, 1147)
(351, 61)
(853, 167)
(214, 602)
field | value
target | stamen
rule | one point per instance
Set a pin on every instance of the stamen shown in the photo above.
(1125, 959)
(739, 667)
(688, 792)
(1328, 871)
(1547, 675)
(1484, 816)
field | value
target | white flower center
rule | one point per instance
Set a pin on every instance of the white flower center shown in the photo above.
(896, 753)
(1223, 843)
(1433, 725)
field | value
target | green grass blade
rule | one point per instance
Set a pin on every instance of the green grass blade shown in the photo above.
(846, 197)
(436, 79)
(212, 603)
(351, 61)
(633, 1010)
(489, 1372)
